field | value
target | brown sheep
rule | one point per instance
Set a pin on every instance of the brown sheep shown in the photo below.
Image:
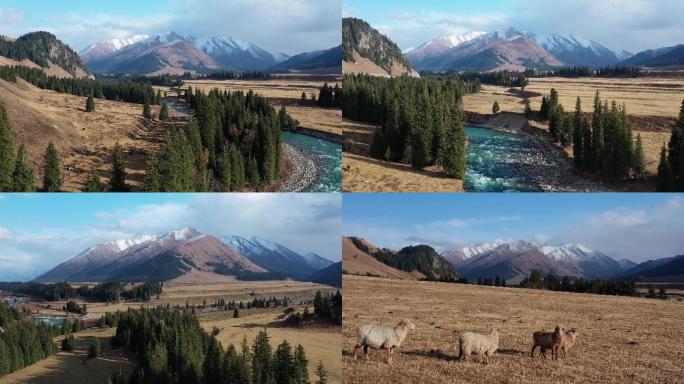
(548, 340)
(568, 341)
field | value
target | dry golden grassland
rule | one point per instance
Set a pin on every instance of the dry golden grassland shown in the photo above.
(84, 140)
(73, 367)
(642, 96)
(621, 339)
(196, 294)
(320, 343)
(362, 173)
(321, 119)
(279, 87)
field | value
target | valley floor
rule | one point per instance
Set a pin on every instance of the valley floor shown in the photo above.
(621, 339)
(74, 367)
(321, 343)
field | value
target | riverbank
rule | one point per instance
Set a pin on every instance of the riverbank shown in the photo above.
(303, 170)
(334, 137)
(549, 167)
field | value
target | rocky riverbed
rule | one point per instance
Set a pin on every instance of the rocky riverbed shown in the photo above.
(303, 172)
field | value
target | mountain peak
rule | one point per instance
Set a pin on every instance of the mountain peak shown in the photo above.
(184, 234)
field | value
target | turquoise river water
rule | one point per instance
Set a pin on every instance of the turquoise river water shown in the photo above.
(497, 162)
(328, 155)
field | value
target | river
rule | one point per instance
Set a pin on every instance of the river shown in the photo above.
(328, 156)
(500, 162)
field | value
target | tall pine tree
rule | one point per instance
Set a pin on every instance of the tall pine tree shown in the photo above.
(118, 181)
(52, 180)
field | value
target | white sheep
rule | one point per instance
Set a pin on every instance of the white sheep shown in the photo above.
(382, 337)
(475, 343)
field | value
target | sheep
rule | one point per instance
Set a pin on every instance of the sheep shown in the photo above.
(568, 341)
(469, 343)
(382, 337)
(548, 340)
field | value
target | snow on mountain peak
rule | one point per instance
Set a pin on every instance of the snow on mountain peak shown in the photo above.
(124, 244)
(184, 234)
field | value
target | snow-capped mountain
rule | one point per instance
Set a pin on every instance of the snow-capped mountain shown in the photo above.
(271, 256)
(175, 53)
(440, 44)
(235, 54)
(316, 261)
(575, 50)
(458, 255)
(511, 49)
(583, 261)
(105, 48)
(571, 259)
(142, 258)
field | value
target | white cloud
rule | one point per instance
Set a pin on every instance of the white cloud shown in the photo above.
(10, 17)
(637, 235)
(303, 222)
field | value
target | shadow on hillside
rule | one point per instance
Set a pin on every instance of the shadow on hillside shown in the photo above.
(432, 354)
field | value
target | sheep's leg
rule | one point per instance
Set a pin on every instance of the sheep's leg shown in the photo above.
(389, 355)
(356, 351)
(533, 348)
(365, 352)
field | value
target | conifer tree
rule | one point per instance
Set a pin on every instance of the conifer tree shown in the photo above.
(322, 374)
(93, 183)
(303, 101)
(528, 109)
(639, 163)
(95, 349)
(118, 181)
(378, 147)
(495, 108)
(236, 313)
(90, 104)
(664, 180)
(578, 136)
(262, 364)
(301, 366)
(455, 151)
(52, 181)
(7, 153)
(22, 178)
(147, 111)
(283, 364)
(164, 112)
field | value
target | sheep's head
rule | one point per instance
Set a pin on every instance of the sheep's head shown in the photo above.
(572, 334)
(494, 332)
(406, 325)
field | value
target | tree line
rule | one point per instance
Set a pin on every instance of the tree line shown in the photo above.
(109, 292)
(233, 141)
(551, 282)
(172, 347)
(22, 341)
(606, 146)
(328, 96)
(421, 121)
(125, 90)
(503, 78)
(671, 165)
(16, 175)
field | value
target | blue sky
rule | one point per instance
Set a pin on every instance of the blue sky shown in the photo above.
(634, 25)
(38, 231)
(292, 26)
(633, 226)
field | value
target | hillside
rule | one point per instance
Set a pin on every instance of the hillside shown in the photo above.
(157, 258)
(365, 50)
(44, 50)
(272, 257)
(667, 270)
(662, 57)
(163, 54)
(330, 275)
(498, 50)
(318, 61)
(356, 260)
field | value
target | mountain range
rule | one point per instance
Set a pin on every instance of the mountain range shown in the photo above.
(183, 253)
(366, 50)
(42, 50)
(175, 54)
